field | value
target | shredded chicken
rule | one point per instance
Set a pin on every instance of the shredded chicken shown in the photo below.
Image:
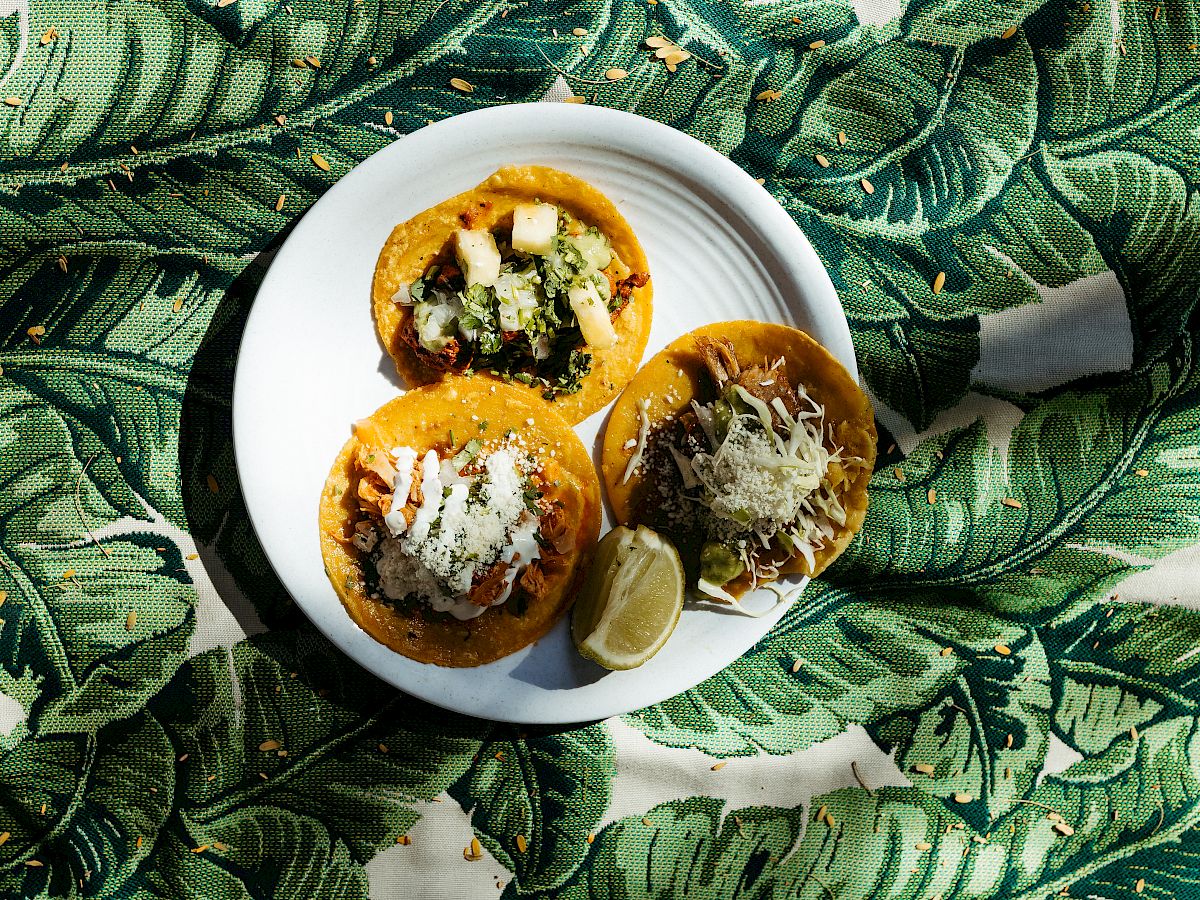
(533, 580)
(718, 358)
(488, 585)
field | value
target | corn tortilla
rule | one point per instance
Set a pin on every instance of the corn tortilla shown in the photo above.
(677, 375)
(422, 419)
(415, 244)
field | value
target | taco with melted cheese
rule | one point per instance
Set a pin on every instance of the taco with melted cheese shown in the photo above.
(750, 446)
(457, 521)
(532, 277)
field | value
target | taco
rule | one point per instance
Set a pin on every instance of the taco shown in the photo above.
(457, 521)
(750, 446)
(531, 277)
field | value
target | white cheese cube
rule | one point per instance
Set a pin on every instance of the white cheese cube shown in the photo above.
(534, 227)
(592, 315)
(478, 257)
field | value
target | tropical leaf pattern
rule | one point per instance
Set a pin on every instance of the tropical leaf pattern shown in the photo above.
(994, 693)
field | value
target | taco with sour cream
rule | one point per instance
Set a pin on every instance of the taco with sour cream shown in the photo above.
(750, 446)
(457, 521)
(532, 277)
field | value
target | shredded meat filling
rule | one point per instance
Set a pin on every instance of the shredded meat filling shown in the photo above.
(454, 357)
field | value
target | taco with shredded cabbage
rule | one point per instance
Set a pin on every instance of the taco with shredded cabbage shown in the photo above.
(750, 446)
(532, 277)
(457, 521)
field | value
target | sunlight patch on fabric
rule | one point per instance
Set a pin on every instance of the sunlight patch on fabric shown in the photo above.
(1081, 328)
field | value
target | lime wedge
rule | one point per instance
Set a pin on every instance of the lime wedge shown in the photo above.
(631, 599)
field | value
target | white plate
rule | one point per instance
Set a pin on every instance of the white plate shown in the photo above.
(719, 247)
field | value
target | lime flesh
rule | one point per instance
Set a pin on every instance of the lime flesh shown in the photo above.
(631, 599)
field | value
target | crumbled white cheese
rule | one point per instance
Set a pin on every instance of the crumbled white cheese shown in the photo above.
(746, 483)
(455, 535)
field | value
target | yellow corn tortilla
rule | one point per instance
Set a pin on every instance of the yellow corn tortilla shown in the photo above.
(415, 244)
(422, 419)
(677, 375)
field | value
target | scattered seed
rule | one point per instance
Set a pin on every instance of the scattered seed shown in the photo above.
(212, 484)
(271, 744)
(177, 306)
(924, 768)
(200, 849)
(646, 821)
(473, 851)
(68, 574)
(591, 838)
(4, 838)
(867, 186)
(939, 282)
(821, 813)
(841, 138)
(183, 758)
(37, 332)
(1003, 649)
(48, 35)
(221, 4)
(12, 101)
(1011, 502)
(279, 203)
(1008, 740)
(760, 181)
(821, 161)
(616, 74)
(816, 45)
(1063, 828)
(372, 60)
(575, 99)
(1140, 886)
(1157, 13)
(768, 95)
(138, 845)
(34, 863)
(716, 767)
(404, 840)
(521, 845)
(131, 620)
(579, 32)
(797, 664)
(62, 263)
(3, 597)
(1141, 473)
(388, 118)
(657, 40)
(946, 651)
(299, 63)
(281, 119)
(263, 776)
(463, 85)
(962, 798)
(1008, 32)
(924, 845)
(313, 61)
(1133, 732)
(931, 496)
(899, 473)
(383, 748)
(319, 162)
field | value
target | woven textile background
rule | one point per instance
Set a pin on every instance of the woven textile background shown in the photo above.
(996, 691)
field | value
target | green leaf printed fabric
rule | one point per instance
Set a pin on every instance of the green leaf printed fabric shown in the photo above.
(993, 694)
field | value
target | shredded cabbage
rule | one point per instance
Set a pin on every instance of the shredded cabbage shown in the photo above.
(766, 481)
